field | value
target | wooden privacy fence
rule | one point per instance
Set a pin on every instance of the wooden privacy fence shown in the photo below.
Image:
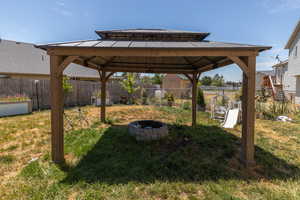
(39, 91)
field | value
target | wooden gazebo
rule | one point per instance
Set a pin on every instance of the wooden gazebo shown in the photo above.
(152, 51)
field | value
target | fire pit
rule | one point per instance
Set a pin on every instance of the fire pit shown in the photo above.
(148, 130)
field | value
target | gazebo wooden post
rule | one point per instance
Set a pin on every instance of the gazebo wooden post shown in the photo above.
(248, 113)
(103, 95)
(57, 107)
(194, 81)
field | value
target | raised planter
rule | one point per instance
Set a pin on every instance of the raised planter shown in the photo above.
(148, 130)
(15, 108)
(97, 101)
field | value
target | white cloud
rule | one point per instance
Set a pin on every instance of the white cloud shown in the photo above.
(60, 9)
(265, 64)
(275, 6)
(60, 3)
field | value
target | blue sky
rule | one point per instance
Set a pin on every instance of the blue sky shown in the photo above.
(263, 22)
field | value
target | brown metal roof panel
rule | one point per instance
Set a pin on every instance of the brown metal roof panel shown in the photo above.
(71, 44)
(138, 44)
(89, 43)
(209, 44)
(122, 44)
(176, 45)
(104, 43)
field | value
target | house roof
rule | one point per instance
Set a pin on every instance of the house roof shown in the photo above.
(23, 59)
(266, 72)
(182, 76)
(281, 64)
(293, 36)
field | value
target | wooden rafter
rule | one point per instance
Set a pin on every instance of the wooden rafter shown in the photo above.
(149, 64)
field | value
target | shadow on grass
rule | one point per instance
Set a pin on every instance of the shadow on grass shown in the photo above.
(188, 154)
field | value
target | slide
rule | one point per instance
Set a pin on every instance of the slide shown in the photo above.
(231, 118)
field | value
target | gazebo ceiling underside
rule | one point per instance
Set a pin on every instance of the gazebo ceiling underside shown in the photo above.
(153, 64)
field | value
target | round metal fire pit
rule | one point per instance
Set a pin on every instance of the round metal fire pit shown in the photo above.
(148, 130)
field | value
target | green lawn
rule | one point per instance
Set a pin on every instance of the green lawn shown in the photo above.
(104, 162)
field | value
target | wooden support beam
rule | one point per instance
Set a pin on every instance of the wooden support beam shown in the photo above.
(248, 113)
(103, 80)
(65, 63)
(240, 63)
(195, 79)
(189, 77)
(57, 107)
(109, 75)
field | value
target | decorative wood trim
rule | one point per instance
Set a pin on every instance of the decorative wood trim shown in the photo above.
(240, 63)
(68, 60)
(150, 52)
(109, 75)
(189, 77)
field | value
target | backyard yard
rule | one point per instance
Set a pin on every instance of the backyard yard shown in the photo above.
(104, 162)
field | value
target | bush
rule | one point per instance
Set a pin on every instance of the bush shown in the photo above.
(272, 110)
(200, 98)
(238, 95)
(170, 98)
(144, 97)
(186, 105)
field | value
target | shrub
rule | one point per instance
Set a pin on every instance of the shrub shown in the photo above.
(6, 159)
(170, 98)
(238, 95)
(200, 98)
(16, 98)
(129, 84)
(67, 86)
(186, 105)
(272, 110)
(144, 97)
(32, 170)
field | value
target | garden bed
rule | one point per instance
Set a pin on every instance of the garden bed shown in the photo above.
(15, 108)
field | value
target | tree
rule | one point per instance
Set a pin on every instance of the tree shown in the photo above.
(157, 79)
(218, 80)
(200, 97)
(67, 86)
(128, 84)
(206, 80)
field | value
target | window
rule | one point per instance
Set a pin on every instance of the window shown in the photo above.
(296, 51)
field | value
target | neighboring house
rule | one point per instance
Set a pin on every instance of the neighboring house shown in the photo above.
(260, 78)
(21, 64)
(19, 59)
(285, 79)
(177, 84)
(280, 71)
(292, 77)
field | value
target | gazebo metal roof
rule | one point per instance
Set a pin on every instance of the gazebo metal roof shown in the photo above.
(141, 39)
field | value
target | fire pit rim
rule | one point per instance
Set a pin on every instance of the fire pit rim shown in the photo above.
(148, 134)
